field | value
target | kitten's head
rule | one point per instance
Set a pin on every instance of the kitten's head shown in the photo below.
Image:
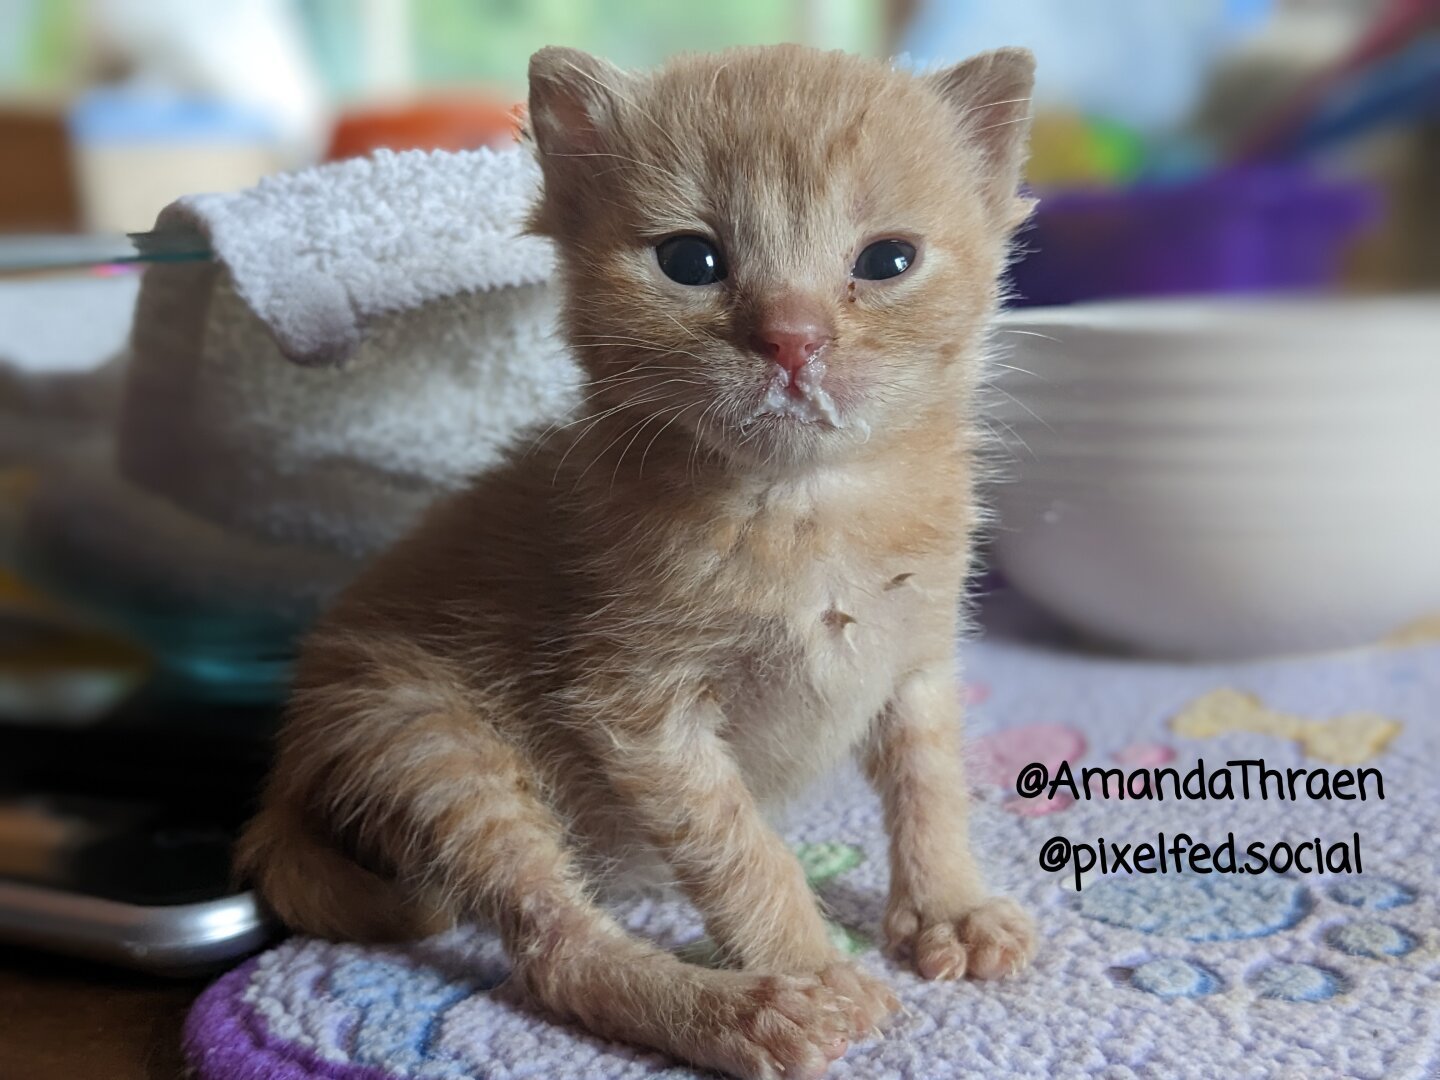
(778, 250)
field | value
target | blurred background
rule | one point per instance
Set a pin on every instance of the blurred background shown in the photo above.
(111, 108)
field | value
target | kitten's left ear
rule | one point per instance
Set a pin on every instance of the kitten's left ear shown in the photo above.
(574, 98)
(990, 96)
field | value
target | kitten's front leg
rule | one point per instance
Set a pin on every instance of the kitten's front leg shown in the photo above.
(939, 913)
(686, 788)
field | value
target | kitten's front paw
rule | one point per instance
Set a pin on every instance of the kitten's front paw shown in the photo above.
(869, 1000)
(991, 939)
(771, 1027)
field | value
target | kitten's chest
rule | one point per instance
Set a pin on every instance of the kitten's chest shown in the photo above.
(816, 640)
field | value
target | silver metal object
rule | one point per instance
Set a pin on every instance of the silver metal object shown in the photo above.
(177, 939)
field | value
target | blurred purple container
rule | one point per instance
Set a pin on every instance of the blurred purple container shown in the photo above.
(1253, 230)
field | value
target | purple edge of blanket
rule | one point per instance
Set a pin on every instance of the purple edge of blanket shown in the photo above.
(224, 1038)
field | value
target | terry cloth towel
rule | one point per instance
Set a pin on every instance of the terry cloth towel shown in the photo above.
(370, 333)
(1188, 976)
(367, 335)
(321, 255)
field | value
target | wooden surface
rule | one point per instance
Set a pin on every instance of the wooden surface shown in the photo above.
(65, 1020)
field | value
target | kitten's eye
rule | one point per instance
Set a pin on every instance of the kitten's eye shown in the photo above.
(690, 260)
(884, 259)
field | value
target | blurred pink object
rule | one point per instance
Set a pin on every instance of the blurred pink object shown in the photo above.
(998, 758)
(1038, 807)
(974, 693)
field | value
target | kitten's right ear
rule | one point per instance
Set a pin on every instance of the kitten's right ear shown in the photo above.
(990, 96)
(574, 99)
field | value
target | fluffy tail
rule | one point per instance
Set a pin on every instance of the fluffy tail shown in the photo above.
(315, 889)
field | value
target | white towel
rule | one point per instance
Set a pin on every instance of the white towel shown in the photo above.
(419, 321)
(319, 255)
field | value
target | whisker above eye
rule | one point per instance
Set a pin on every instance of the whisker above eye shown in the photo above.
(669, 174)
(1003, 123)
(992, 104)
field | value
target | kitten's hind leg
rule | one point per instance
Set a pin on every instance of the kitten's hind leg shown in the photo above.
(449, 807)
(315, 888)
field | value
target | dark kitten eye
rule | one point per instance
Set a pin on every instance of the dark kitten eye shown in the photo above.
(884, 259)
(690, 260)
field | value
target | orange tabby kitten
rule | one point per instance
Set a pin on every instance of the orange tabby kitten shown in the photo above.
(741, 561)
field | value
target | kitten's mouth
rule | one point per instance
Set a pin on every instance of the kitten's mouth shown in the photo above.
(799, 395)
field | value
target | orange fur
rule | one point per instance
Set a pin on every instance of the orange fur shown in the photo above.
(612, 655)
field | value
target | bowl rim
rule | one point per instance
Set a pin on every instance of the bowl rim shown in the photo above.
(1191, 313)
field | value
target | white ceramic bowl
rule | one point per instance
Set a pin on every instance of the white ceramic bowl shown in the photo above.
(1223, 479)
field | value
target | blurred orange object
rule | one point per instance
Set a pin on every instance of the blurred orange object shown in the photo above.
(455, 123)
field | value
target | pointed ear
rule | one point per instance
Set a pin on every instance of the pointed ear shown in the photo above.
(989, 95)
(574, 98)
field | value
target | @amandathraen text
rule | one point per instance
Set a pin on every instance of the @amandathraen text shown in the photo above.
(1246, 778)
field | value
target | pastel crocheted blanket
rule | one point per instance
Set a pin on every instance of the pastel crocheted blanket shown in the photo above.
(1319, 956)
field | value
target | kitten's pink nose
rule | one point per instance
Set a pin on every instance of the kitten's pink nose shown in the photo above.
(790, 336)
